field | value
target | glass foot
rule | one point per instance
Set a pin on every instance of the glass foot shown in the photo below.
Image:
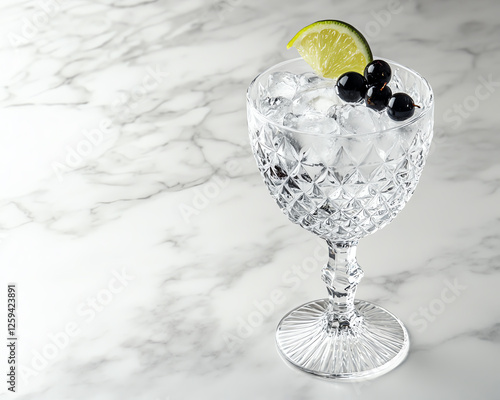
(372, 343)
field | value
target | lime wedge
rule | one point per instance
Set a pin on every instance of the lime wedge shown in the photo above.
(332, 48)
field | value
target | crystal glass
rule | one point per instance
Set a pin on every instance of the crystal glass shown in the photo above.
(342, 187)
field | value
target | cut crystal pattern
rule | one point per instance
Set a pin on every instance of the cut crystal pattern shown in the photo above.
(304, 339)
(342, 187)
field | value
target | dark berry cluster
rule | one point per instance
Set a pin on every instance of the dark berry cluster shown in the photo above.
(373, 88)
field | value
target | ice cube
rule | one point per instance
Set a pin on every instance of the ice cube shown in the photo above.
(275, 108)
(314, 147)
(316, 99)
(309, 78)
(282, 84)
(396, 82)
(356, 118)
(311, 123)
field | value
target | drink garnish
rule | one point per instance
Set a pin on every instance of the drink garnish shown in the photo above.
(336, 50)
(332, 47)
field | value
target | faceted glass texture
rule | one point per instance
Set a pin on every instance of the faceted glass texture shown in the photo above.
(341, 186)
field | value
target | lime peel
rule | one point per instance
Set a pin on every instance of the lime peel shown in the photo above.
(332, 47)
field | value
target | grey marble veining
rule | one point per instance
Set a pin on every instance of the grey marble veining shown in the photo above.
(142, 239)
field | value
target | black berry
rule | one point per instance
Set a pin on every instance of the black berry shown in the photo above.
(351, 87)
(378, 72)
(400, 107)
(377, 97)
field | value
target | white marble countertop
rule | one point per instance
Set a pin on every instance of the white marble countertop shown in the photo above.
(140, 235)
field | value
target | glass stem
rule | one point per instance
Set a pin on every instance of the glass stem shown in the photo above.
(341, 276)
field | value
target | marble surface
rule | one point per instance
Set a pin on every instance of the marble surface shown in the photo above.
(150, 261)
